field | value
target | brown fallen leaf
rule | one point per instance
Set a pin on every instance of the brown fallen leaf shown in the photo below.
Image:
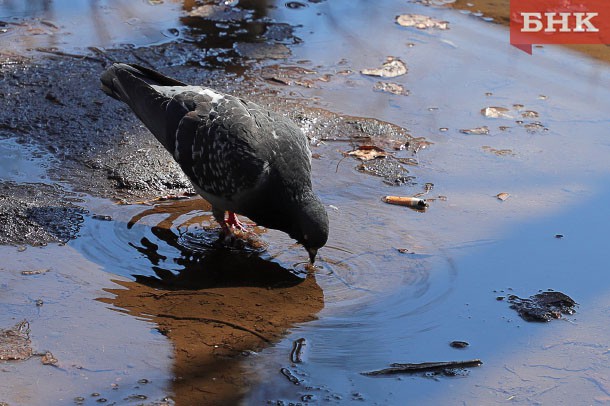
(392, 67)
(48, 359)
(484, 130)
(421, 22)
(502, 196)
(15, 342)
(389, 87)
(496, 112)
(367, 152)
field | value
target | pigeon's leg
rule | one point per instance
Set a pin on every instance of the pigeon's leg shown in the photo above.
(219, 216)
(233, 221)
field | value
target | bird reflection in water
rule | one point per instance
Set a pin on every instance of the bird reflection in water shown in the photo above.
(222, 305)
(205, 261)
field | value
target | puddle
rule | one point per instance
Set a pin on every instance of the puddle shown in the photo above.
(75, 25)
(21, 163)
(143, 301)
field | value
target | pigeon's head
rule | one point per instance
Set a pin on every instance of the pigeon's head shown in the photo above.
(311, 227)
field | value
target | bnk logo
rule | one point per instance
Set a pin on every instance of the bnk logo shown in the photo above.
(559, 22)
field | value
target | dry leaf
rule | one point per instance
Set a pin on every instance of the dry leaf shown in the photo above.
(502, 196)
(529, 114)
(15, 342)
(368, 152)
(389, 87)
(496, 112)
(476, 131)
(421, 22)
(48, 359)
(392, 67)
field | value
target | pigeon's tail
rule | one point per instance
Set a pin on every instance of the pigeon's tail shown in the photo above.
(132, 84)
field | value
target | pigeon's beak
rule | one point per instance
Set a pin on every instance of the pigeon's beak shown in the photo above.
(312, 255)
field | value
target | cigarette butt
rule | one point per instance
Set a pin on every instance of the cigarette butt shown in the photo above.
(414, 202)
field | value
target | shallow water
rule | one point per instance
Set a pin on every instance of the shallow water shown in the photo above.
(380, 305)
(75, 25)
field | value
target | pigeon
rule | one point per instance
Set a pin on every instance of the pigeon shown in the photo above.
(240, 157)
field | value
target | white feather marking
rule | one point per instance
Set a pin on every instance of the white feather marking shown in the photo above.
(171, 91)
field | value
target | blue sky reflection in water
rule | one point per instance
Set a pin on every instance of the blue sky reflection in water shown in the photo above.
(479, 246)
(72, 25)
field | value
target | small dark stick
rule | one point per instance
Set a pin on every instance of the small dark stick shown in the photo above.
(424, 367)
(298, 347)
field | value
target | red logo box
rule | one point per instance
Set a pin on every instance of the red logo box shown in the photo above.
(559, 22)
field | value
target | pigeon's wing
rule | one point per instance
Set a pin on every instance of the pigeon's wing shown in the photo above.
(219, 144)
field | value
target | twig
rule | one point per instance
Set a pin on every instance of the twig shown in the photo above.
(424, 367)
(208, 320)
(61, 53)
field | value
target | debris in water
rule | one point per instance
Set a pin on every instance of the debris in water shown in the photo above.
(503, 196)
(220, 13)
(295, 5)
(408, 161)
(391, 171)
(459, 344)
(389, 87)
(496, 112)
(48, 359)
(368, 152)
(558, 235)
(476, 131)
(290, 376)
(421, 22)
(101, 217)
(544, 306)
(498, 152)
(15, 342)
(291, 75)
(35, 272)
(408, 201)
(442, 367)
(391, 68)
(534, 127)
(298, 347)
(261, 50)
(529, 114)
